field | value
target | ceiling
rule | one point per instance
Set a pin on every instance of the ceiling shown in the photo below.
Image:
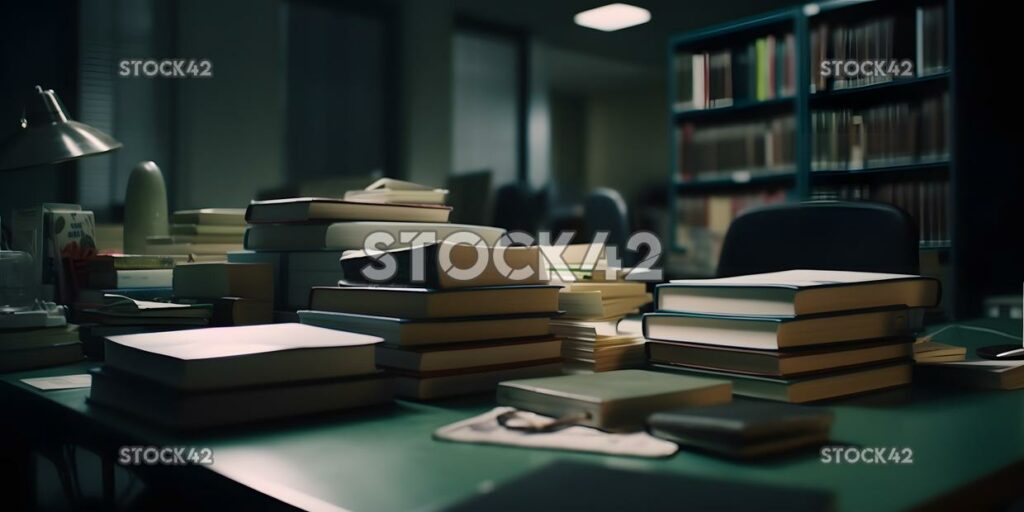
(551, 21)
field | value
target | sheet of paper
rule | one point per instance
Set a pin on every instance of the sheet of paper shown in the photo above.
(485, 429)
(80, 380)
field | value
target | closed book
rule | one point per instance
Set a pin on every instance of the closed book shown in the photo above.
(201, 238)
(172, 408)
(197, 248)
(123, 279)
(743, 421)
(64, 352)
(278, 261)
(210, 216)
(975, 373)
(403, 332)
(608, 289)
(234, 232)
(591, 305)
(343, 236)
(236, 310)
(37, 337)
(797, 292)
(810, 388)
(246, 280)
(223, 357)
(481, 379)
(770, 333)
(445, 265)
(112, 262)
(306, 209)
(420, 303)
(779, 363)
(618, 400)
(468, 355)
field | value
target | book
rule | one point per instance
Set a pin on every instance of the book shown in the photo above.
(618, 400)
(744, 428)
(927, 351)
(189, 248)
(122, 310)
(58, 353)
(467, 381)
(480, 270)
(210, 217)
(401, 332)
(607, 289)
(231, 232)
(223, 357)
(245, 280)
(206, 238)
(797, 292)
(458, 356)
(777, 333)
(340, 236)
(390, 190)
(779, 363)
(976, 373)
(173, 408)
(235, 310)
(421, 303)
(112, 262)
(34, 337)
(306, 209)
(810, 388)
(592, 304)
(141, 278)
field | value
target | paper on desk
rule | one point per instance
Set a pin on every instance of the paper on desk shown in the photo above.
(81, 380)
(484, 429)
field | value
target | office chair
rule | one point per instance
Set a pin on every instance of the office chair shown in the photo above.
(821, 235)
(605, 210)
(513, 209)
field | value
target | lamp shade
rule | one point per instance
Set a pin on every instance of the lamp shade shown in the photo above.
(48, 136)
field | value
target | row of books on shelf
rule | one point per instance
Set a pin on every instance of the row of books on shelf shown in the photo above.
(765, 68)
(758, 147)
(882, 135)
(762, 70)
(702, 222)
(927, 202)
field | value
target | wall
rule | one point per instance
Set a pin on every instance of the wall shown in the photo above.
(626, 146)
(230, 135)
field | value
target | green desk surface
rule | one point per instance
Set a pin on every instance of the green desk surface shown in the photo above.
(385, 459)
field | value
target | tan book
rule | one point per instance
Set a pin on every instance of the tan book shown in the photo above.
(210, 216)
(420, 303)
(306, 209)
(245, 280)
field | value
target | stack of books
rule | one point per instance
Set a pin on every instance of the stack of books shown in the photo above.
(118, 315)
(239, 293)
(445, 336)
(228, 375)
(792, 336)
(303, 238)
(37, 338)
(137, 276)
(207, 234)
(589, 325)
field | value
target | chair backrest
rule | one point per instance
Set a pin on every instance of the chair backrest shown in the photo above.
(822, 235)
(513, 209)
(605, 210)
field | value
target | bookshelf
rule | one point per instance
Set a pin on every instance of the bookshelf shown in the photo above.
(752, 121)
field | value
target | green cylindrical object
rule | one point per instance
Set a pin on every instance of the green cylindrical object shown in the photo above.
(145, 207)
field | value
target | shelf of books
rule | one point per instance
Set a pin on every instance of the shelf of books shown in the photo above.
(745, 133)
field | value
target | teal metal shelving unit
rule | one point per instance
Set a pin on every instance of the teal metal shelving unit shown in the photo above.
(800, 181)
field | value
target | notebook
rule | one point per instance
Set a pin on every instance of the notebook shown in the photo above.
(797, 292)
(617, 400)
(223, 357)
